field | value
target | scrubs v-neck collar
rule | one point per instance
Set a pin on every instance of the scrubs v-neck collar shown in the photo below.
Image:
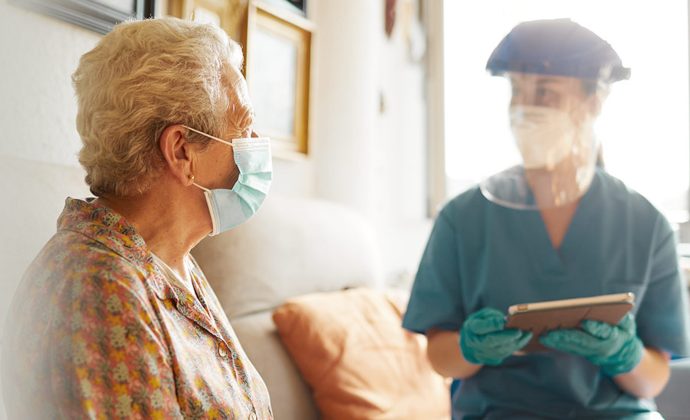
(552, 262)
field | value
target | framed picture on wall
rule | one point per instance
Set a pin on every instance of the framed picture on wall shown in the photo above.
(97, 15)
(277, 67)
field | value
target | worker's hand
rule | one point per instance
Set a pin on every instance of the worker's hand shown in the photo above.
(614, 348)
(485, 341)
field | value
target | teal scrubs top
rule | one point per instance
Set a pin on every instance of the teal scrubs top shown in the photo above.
(483, 255)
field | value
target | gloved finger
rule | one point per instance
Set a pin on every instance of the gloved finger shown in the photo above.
(556, 342)
(486, 321)
(507, 348)
(501, 338)
(492, 340)
(574, 336)
(573, 341)
(598, 329)
(551, 339)
(486, 326)
(521, 342)
(628, 324)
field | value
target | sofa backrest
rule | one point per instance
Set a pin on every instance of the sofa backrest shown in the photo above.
(293, 246)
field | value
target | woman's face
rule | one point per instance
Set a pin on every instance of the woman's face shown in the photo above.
(217, 167)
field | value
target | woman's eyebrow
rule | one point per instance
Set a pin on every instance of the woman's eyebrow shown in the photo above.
(549, 81)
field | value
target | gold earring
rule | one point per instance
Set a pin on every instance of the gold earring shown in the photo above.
(191, 178)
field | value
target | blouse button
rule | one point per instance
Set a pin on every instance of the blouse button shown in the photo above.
(221, 350)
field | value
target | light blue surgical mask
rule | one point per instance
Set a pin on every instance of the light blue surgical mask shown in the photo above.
(230, 208)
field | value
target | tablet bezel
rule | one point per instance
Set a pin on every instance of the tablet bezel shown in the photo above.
(572, 303)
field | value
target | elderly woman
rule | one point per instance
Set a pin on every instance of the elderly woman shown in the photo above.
(114, 318)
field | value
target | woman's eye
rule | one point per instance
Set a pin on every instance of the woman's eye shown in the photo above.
(547, 97)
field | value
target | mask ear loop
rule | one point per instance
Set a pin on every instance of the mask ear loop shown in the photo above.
(208, 135)
(207, 195)
(191, 178)
(217, 139)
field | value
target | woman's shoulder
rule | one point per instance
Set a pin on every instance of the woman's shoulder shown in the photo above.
(80, 252)
(75, 279)
(469, 207)
(72, 260)
(623, 204)
(470, 200)
(619, 192)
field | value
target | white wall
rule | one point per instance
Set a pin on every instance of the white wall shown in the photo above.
(37, 109)
(345, 83)
(400, 146)
(365, 159)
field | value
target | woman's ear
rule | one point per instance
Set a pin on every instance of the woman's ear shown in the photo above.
(178, 153)
(594, 104)
(597, 98)
(588, 109)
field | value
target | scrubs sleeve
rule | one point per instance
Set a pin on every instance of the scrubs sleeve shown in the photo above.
(663, 318)
(435, 298)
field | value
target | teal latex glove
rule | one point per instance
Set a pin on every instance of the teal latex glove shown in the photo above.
(614, 348)
(485, 341)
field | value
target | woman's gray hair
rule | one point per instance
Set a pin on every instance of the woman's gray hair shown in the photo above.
(144, 76)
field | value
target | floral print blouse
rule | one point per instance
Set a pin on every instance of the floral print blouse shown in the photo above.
(97, 331)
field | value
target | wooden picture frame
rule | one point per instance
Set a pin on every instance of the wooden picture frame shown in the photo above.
(97, 15)
(277, 47)
(221, 13)
(292, 6)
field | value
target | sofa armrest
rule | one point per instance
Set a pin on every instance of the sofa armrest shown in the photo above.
(673, 403)
(291, 397)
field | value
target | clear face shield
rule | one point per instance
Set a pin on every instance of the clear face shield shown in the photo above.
(551, 119)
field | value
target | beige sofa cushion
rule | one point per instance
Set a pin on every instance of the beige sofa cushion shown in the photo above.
(291, 247)
(358, 360)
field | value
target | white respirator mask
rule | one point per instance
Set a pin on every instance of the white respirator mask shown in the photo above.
(544, 136)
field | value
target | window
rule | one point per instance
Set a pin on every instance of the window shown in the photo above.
(644, 126)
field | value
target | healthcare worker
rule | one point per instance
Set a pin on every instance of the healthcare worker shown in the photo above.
(555, 226)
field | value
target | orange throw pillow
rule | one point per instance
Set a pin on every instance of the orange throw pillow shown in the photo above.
(360, 363)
